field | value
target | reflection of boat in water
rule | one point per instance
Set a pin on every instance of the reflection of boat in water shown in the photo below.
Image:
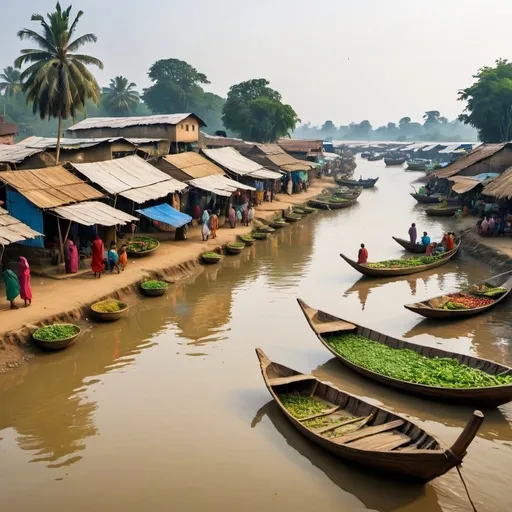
(376, 493)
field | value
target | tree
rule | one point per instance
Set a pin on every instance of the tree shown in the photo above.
(489, 102)
(10, 83)
(328, 127)
(432, 117)
(57, 81)
(119, 97)
(256, 112)
(404, 123)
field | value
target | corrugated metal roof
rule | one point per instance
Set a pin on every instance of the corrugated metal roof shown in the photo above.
(464, 184)
(94, 212)
(219, 185)
(15, 154)
(215, 140)
(478, 154)
(450, 148)
(8, 129)
(124, 122)
(131, 177)
(233, 161)
(69, 144)
(12, 230)
(300, 145)
(138, 141)
(193, 164)
(50, 187)
(279, 157)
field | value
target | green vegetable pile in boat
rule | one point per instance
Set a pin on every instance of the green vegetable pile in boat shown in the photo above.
(141, 244)
(309, 209)
(302, 406)
(298, 211)
(487, 290)
(247, 238)
(407, 365)
(236, 245)
(212, 255)
(56, 332)
(108, 306)
(452, 306)
(407, 262)
(154, 285)
(260, 236)
(293, 216)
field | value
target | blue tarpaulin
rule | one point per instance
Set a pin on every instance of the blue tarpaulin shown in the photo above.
(167, 214)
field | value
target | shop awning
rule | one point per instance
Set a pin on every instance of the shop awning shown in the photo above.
(12, 230)
(93, 212)
(463, 184)
(167, 214)
(219, 185)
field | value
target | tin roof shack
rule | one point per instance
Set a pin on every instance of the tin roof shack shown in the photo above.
(180, 129)
(300, 148)
(276, 158)
(206, 179)
(487, 158)
(501, 187)
(18, 157)
(7, 132)
(215, 141)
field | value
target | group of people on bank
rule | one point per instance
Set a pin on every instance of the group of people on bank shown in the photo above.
(210, 219)
(18, 284)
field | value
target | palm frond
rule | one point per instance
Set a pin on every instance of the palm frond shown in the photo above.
(74, 24)
(43, 43)
(81, 41)
(86, 59)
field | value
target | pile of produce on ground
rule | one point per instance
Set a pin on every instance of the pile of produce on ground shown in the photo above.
(235, 245)
(407, 262)
(487, 290)
(154, 285)
(56, 332)
(464, 301)
(247, 238)
(142, 244)
(108, 306)
(211, 255)
(407, 365)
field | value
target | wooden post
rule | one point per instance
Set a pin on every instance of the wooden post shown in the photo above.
(60, 242)
(468, 434)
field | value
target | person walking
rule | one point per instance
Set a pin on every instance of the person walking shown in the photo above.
(97, 264)
(12, 287)
(232, 216)
(24, 281)
(214, 224)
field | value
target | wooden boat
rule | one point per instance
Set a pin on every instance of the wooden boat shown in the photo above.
(323, 323)
(401, 271)
(432, 199)
(389, 161)
(366, 154)
(57, 344)
(247, 240)
(332, 205)
(418, 164)
(369, 183)
(233, 249)
(374, 157)
(275, 224)
(346, 194)
(376, 438)
(450, 211)
(408, 246)
(429, 308)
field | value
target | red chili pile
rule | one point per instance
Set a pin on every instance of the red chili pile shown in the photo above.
(470, 301)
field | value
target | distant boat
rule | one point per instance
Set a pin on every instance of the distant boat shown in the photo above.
(369, 183)
(375, 156)
(366, 154)
(418, 164)
(394, 161)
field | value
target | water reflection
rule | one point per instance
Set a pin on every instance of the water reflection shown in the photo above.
(374, 491)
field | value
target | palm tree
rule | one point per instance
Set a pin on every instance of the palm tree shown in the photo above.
(10, 83)
(120, 96)
(57, 81)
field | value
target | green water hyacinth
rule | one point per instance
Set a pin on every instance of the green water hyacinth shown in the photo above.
(409, 366)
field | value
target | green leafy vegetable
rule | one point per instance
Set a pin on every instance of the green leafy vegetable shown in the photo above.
(56, 332)
(154, 285)
(301, 406)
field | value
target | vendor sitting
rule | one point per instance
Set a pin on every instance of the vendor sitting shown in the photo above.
(438, 249)
(425, 239)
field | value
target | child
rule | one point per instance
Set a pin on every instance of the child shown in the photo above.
(123, 257)
(113, 258)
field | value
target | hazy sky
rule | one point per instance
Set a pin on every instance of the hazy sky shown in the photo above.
(345, 60)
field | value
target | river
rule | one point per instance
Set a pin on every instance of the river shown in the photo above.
(167, 410)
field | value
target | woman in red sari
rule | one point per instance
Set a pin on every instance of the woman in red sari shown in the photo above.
(97, 257)
(24, 280)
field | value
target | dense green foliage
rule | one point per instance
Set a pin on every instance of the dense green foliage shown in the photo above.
(10, 84)
(154, 285)
(57, 82)
(120, 98)
(255, 112)
(489, 102)
(407, 365)
(55, 332)
(405, 263)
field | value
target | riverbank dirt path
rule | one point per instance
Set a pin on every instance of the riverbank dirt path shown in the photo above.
(55, 297)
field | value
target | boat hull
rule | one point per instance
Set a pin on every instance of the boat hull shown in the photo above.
(408, 246)
(441, 212)
(392, 162)
(357, 183)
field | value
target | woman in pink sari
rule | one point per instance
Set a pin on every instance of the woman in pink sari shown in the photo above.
(71, 258)
(24, 280)
(232, 216)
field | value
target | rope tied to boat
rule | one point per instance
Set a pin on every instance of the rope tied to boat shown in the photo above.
(465, 487)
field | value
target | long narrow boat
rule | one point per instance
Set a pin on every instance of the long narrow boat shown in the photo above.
(323, 325)
(389, 161)
(401, 271)
(327, 204)
(449, 211)
(369, 183)
(370, 436)
(430, 308)
(409, 246)
(418, 164)
(347, 193)
(433, 199)
(374, 157)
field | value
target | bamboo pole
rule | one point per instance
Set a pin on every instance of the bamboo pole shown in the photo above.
(60, 241)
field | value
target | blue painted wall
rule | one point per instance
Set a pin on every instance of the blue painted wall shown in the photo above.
(21, 208)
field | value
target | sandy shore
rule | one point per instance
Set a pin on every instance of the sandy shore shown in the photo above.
(54, 298)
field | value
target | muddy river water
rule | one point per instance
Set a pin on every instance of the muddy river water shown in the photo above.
(167, 410)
